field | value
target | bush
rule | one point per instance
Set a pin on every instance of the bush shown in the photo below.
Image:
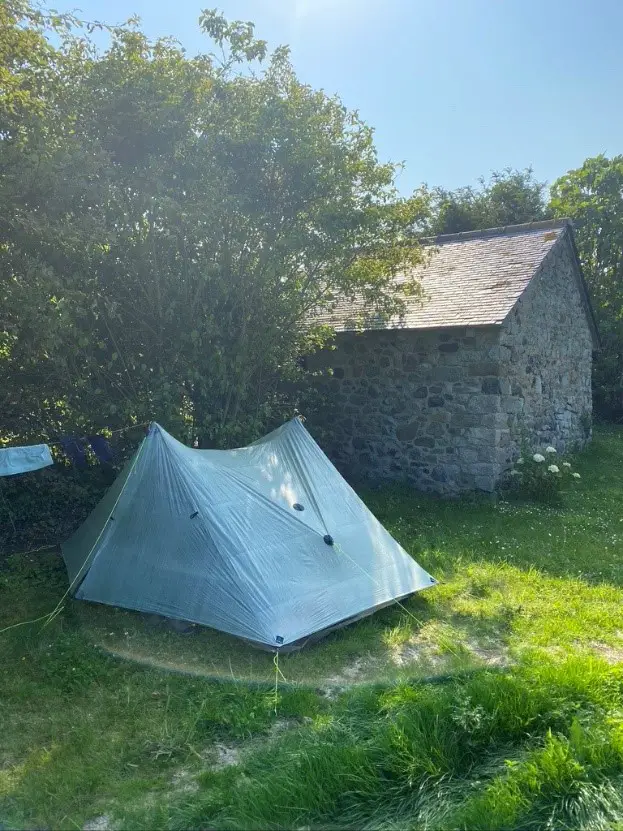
(44, 508)
(541, 476)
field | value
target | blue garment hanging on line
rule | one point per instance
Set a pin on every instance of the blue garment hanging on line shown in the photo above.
(75, 450)
(23, 459)
(101, 448)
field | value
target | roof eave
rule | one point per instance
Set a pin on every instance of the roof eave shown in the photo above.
(500, 230)
(465, 325)
(587, 298)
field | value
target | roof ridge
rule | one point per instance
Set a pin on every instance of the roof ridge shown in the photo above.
(502, 230)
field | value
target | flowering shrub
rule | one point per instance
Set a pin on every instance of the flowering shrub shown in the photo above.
(537, 476)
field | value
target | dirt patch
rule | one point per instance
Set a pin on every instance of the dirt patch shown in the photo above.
(183, 781)
(281, 725)
(351, 674)
(102, 823)
(415, 653)
(226, 755)
(492, 656)
(611, 654)
(428, 657)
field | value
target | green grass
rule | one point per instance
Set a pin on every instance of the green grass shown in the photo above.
(523, 729)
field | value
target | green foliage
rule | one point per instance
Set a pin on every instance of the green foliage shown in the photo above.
(45, 507)
(170, 223)
(541, 475)
(592, 196)
(509, 197)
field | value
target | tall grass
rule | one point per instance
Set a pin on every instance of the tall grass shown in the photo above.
(542, 744)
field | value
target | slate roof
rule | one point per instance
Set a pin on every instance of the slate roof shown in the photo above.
(472, 279)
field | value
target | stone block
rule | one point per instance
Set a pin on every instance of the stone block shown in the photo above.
(484, 404)
(451, 346)
(492, 455)
(449, 373)
(491, 386)
(424, 441)
(446, 473)
(481, 435)
(466, 387)
(485, 483)
(406, 432)
(484, 368)
(496, 420)
(358, 400)
(467, 455)
(411, 363)
(458, 419)
(505, 386)
(511, 404)
(435, 401)
(503, 438)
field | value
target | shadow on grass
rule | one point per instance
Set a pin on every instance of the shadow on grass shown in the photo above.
(415, 639)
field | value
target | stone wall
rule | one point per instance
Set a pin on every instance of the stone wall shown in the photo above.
(546, 345)
(445, 409)
(417, 406)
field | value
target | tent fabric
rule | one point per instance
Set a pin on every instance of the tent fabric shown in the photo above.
(24, 459)
(213, 537)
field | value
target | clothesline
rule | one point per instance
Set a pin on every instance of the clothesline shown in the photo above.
(111, 432)
(33, 457)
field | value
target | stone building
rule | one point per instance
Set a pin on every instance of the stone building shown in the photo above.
(499, 346)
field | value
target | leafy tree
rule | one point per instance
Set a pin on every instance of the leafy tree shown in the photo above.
(173, 223)
(592, 196)
(506, 198)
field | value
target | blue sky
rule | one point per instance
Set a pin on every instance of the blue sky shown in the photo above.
(454, 88)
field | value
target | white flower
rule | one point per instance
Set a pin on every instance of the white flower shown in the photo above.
(519, 461)
(515, 473)
(566, 464)
(550, 449)
(576, 475)
(553, 469)
(538, 457)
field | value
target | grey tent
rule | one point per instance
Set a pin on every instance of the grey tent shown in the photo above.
(267, 542)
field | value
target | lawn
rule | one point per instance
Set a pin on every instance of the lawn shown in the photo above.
(493, 700)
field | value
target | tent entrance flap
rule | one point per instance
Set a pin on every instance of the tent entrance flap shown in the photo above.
(218, 538)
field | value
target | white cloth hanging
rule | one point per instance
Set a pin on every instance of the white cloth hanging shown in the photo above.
(23, 459)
